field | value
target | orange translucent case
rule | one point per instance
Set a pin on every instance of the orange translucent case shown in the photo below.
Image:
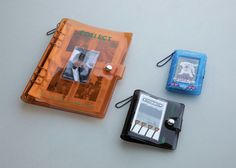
(79, 69)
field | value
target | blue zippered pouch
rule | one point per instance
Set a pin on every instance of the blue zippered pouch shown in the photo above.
(186, 73)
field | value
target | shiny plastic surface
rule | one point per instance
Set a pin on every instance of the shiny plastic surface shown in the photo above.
(51, 84)
(147, 121)
(187, 72)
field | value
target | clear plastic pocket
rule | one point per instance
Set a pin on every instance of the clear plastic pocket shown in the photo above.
(80, 65)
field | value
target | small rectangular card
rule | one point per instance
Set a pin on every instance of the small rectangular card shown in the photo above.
(187, 72)
(80, 65)
(152, 120)
(148, 117)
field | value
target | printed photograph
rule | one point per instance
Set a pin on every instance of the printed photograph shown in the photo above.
(80, 65)
(186, 70)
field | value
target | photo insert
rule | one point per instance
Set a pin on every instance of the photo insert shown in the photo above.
(148, 117)
(80, 64)
(186, 70)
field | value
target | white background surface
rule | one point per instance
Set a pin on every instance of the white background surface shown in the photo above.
(38, 137)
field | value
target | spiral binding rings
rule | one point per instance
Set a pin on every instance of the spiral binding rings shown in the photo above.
(37, 75)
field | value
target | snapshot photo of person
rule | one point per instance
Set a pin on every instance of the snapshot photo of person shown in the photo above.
(80, 64)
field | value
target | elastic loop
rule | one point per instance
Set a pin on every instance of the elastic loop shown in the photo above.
(166, 59)
(52, 31)
(123, 102)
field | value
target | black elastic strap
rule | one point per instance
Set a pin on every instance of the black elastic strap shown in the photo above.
(165, 60)
(52, 31)
(123, 102)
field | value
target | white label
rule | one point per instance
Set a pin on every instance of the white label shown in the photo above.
(148, 117)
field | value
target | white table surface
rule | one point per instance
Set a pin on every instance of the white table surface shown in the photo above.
(38, 137)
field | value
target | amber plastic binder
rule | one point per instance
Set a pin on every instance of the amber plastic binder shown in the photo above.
(79, 69)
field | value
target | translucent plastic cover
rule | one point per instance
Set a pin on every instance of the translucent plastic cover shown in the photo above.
(72, 73)
(153, 121)
(187, 72)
